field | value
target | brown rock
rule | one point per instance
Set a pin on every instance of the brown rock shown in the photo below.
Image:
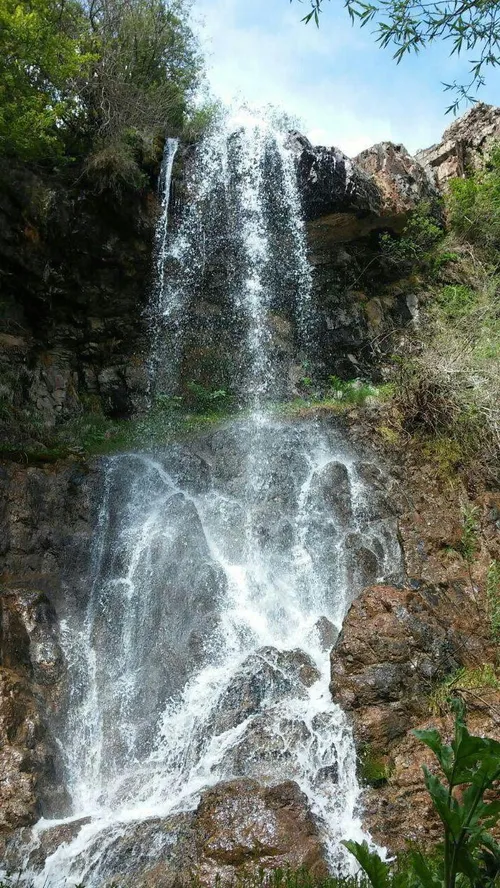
(464, 146)
(402, 180)
(243, 827)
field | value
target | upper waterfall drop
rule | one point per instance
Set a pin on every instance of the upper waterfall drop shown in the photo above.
(242, 224)
(223, 566)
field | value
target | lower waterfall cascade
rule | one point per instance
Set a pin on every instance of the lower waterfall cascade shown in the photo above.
(223, 566)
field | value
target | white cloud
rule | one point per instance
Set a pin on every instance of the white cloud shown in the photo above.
(344, 90)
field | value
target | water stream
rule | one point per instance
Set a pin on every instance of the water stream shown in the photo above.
(223, 567)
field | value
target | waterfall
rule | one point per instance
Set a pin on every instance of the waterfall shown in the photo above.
(223, 566)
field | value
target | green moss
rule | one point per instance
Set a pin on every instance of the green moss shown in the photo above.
(374, 768)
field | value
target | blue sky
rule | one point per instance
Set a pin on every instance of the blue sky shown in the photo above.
(345, 90)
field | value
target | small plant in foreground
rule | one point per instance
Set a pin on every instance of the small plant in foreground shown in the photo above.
(470, 854)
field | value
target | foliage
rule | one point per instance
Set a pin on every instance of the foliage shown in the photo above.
(419, 235)
(470, 855)
(103, 79)
(473, 204)
(456, 301)
(408, 26)
(461, 682)
(446, 378)
(43, 53)
(200, 398)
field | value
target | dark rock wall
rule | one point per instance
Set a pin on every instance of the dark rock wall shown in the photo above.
(74, 274)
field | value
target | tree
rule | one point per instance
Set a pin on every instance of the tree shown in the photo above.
(471, 26)
(41, 59)
(98, 79)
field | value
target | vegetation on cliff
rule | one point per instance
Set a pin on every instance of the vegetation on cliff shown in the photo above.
(99, 81)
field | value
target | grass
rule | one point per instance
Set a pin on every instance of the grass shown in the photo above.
(462, 681)
(170, 419)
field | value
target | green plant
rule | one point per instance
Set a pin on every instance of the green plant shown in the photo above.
(456, 301)
(470, 767)
(201, 398)
(462, 681)
(419, 235)
(473, 204)
(493, 597)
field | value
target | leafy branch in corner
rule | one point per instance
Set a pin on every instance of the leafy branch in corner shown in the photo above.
(408, 26)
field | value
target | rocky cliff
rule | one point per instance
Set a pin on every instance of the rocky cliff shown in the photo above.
(75, 272)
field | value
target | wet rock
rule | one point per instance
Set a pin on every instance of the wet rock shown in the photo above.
(328, 633)
(332, 486)
(238, 827)
(267, 676)
(243, 827)
(28, 785)
(267, 749)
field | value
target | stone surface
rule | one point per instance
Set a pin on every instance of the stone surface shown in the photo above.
(464, 145)
(396, 646)
(31, 672)
(238, 827)
(402, 181)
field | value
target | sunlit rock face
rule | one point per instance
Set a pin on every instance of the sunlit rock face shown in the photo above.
(464, 146)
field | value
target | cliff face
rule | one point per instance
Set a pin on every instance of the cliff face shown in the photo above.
(74, 272)
(75, 277)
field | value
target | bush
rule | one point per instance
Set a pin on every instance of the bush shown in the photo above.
(420, 234)
(473, 204)
(470, 856)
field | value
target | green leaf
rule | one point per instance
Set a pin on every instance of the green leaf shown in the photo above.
(422, 869)
(443, 753)
(377, 871)
(446, 806)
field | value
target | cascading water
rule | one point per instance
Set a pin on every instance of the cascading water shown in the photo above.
(221, 567)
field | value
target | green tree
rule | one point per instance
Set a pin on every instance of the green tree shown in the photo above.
(42, 57)
(469, 26)
(102, 79)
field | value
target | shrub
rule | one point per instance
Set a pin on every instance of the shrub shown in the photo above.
(473, 204)
(462, 681)
(419, 235)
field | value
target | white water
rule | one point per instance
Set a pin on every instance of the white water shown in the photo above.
(213, 562)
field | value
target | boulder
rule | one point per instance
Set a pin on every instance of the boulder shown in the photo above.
(396, 645)
(239, 827)
(345, 199)
(402, 181)
(243, 827)
(268, 675)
